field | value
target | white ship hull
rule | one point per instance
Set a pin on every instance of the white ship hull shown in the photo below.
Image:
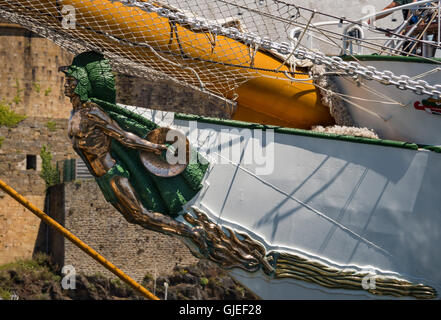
(366, 206)
(393, 113)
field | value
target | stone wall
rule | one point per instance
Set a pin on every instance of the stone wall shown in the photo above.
(28, 138)
(31, 85)
(18, 226)
(133, 249)
(29, 73)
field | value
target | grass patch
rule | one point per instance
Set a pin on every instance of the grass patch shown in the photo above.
(21, 265)
(38, 268)
(147, 278)
(1, 141)
(49, 173)
(204, 281)
(36, 86)
(241, 290)
(5, 294)
(8, 117)
(116, 282)
(183, 271)
(18, 91)
(51, 125)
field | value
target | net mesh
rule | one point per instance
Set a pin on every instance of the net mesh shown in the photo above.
(145, 44)
(174, 39)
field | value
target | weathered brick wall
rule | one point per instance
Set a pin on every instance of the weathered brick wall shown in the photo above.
(135, 250)
(29, 73)
(18, 227)
(28, 138)
(31, 85)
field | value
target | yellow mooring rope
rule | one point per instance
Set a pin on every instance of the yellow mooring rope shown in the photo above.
(80, 244)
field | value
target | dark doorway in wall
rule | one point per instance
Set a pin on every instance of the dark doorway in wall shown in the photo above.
(31, 162)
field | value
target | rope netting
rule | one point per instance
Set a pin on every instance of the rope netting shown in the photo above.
(151, 45)
(210, 45)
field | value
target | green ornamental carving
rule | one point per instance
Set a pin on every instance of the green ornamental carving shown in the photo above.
(96, 84)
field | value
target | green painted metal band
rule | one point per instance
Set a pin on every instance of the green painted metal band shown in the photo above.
(374, 57)
(69, 170)
(308, 133)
